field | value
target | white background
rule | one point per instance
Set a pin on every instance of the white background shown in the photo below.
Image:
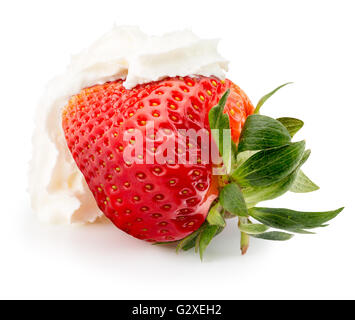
(268, 43)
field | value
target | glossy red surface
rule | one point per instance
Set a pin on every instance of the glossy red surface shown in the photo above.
(153, 202)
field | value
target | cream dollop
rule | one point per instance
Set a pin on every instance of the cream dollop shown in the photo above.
(59, 193)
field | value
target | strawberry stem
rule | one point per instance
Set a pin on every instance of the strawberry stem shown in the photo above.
(244, 237)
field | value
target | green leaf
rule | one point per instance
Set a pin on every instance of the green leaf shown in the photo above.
(253, 195)
(165, 243)
(253, 228)
(290, 220)
(256, 194)
(216, 115)
(301, 231)
(189, 245)
(304, 158)
(292, 125)
(188, 242)
(274, 235)
(231, 198)
(244, 156)
(269, 166)
(234, 153)
(215, 217)
(303, 184)
(206, 236)
(197, 242)
(219, 123)
(262, 132)
(267, 96)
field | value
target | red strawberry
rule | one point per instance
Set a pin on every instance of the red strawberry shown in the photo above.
(164, 201)
(153, 202)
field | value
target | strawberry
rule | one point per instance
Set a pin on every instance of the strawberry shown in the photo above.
(145, 190)
(152, 202)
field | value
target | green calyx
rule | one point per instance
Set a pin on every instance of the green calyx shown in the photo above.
(265, 165)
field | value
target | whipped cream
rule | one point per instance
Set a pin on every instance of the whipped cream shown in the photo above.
(59, 193)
